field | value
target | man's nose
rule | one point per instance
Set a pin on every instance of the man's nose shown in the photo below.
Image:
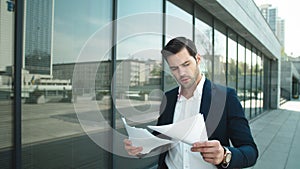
(181, 71)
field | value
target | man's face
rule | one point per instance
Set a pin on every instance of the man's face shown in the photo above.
(184, 68)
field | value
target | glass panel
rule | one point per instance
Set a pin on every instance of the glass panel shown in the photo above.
(254, 83)
(178, 23)
(66, 84)
(138, 72)
(219, 58)
(259, 84)
(6, 83)
(203, 41)
(248, 83)
(232, 57)
(241, 72)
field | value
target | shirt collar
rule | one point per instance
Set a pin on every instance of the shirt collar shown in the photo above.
(197, 92)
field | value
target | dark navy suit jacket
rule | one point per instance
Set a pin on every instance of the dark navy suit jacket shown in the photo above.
(224, 118)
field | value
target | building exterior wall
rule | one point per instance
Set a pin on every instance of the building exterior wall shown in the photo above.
(110, 87)
(38, 36)
(275, 84)
(286, 79)
(245, 16)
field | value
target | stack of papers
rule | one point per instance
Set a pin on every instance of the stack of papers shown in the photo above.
(142, 137)
(189, 131)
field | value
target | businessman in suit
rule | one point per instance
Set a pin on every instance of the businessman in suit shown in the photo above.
(223, 114)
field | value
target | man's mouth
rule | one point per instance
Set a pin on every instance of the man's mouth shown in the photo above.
(184, 80)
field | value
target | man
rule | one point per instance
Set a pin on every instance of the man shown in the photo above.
(194, 95)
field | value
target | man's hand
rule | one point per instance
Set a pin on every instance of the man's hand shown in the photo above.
(211, 151)
(132, 150)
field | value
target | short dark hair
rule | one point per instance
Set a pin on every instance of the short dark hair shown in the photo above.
(177, 44)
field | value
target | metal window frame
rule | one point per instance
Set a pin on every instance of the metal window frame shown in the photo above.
(17, 90)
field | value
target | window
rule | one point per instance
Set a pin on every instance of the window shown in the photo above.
(178, 23)
(6, 84)
(138, 71)
(232, 59)
(241, 71)
(203, 41)
(254, 93)
(248, 86)
(63, 51)
(219, 54)
(260, 83)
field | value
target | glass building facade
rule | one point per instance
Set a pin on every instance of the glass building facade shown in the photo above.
(74, 68)
(38, 36)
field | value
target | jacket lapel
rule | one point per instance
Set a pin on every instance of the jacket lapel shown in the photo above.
(206, 98)
(171, 99)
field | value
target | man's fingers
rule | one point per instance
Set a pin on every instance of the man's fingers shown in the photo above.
(135, 151)
(211, 160)
(211, 151)
(210, 143)
(127, 142)
(131, 150)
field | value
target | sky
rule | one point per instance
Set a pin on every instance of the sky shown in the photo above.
(288, 10)
(73, 27)
(83, 21)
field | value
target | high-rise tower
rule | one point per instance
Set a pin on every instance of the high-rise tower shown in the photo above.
(38, 36)
(7, 35)
(276, 23)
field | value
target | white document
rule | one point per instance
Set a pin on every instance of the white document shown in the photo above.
(189, 130)
(142, 137)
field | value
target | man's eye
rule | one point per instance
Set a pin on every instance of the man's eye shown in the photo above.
(186, 64)
(173, 68)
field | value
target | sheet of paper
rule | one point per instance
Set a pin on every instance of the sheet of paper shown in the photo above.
(142, 137)
(189, 130)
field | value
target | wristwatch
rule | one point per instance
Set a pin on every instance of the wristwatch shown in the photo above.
(227, 157)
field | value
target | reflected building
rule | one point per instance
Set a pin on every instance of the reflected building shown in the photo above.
(86, 75)
(7, 36)
(96, 75)
(38, 36)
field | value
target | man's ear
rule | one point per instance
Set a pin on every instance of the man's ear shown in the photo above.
(198, 58)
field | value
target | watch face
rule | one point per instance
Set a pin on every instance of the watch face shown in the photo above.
(228, 157)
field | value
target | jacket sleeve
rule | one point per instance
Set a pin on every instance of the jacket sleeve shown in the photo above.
(244, 150)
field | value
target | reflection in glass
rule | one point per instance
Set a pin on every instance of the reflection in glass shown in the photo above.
(6, 84)
(203, 42)
(178, 23)
(254, 92)
(257, 71)
(219, 58)
(232, 57)
(62, 77)
(248, 87)
(38, 36)
(260, 84)
(138, 71)
(241, 72)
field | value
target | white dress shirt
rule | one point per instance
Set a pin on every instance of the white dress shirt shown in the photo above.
(180, 155)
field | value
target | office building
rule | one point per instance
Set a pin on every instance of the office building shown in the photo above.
(103, 48)
(276, 23)
(281, 30)
(7, 36)
(38, 36)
